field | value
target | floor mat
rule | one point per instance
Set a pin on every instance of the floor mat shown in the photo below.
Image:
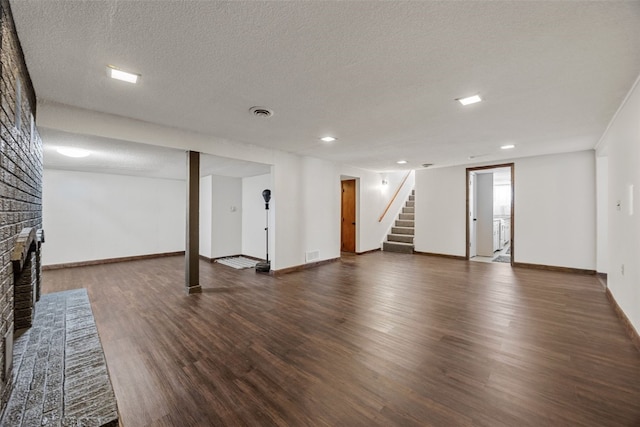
(238, 262)
(502, 258)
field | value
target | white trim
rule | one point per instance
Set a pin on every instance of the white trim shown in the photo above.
(615, 116)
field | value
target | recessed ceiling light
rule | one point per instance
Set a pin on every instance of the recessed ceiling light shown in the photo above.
(73, 152)
(114, 73)
(328, 138)
(508, 147)
(401, 162)
(469, 100)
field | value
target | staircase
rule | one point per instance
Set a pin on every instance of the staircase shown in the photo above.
(401, 237)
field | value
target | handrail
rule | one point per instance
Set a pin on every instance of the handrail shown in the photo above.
(394, 196)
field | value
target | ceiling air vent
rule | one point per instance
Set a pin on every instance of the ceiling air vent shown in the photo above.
(261, 112)
(426, 165)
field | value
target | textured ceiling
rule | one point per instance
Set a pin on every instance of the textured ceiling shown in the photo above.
(381, 76)
(129, 158)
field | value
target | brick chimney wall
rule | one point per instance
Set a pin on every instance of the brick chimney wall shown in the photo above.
(20, 171)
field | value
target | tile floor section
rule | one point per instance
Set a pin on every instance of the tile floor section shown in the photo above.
(505, 253)
(60, 374)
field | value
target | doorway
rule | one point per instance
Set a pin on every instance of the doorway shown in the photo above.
(348, 223)
(490, 213)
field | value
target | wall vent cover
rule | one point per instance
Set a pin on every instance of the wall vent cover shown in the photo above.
(312, 256)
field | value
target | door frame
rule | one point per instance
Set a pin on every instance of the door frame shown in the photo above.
(466, 214)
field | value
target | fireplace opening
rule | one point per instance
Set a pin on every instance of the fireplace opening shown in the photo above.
(27, 273)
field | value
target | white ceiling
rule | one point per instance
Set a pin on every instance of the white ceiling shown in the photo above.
(381, 76)
(134, 159)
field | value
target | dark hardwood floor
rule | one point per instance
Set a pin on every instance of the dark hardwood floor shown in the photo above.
(379, 339)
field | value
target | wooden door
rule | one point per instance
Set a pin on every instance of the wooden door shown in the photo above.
(484, 213)
(348, 229)
(473, 206)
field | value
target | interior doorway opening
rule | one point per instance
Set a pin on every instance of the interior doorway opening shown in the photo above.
(490, 213)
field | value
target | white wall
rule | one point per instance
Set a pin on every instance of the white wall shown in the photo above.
(554, 210)
(220, 216)
(226, 216)
(321, 197)
(306, 196)
(89, 216)
(288, 235)
(254, 216)
(622, 143)
(602, 214)
(205, 216)
(440, 211)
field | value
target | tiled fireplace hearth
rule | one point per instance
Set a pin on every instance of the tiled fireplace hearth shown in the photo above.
(59, 375)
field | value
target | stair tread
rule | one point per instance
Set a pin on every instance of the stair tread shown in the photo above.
(406, 238)
(398, 247)
(400, 243)
(407, 232)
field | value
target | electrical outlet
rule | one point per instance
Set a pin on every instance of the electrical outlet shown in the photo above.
(622, 269)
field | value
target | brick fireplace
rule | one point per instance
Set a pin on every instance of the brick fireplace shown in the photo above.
(20, 194)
